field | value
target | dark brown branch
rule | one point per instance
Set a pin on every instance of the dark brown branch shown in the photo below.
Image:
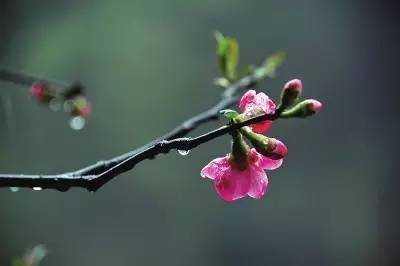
(96, 175)
(228, 99)
(63, 182)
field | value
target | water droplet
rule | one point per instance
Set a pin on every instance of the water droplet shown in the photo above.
(37, 188)
(77, 122)
(63, 188)
(68, 106)
(55, 105)
(14, 189)
(183, 152)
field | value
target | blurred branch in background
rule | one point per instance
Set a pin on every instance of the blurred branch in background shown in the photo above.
(28, 80)
(32, 257)
(54, 95)
(94, 176)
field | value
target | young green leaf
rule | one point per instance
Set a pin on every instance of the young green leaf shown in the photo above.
(32, 257)
(247, 71)
(228, 55)
(18, 262)
(270, 65)
(230, 114)
(222, 82)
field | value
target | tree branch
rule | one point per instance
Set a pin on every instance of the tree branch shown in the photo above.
(28, 80)
(64, 181)
(95, 176)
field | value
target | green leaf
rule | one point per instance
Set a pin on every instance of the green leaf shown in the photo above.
(230, 114)
(270, 65)
(247, 71)
(228, 55)
(38, 253)
(18, 262)
(32, 257)
(222, 82)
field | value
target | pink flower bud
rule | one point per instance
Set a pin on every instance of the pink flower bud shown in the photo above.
(278, 149)
(303, 109)
(294, 85)
(38, 91)
(314, 105)
(269, 147)
(86, 111)
(291, 92)
(80, 106)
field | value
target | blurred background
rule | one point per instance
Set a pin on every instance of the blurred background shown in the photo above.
(149, 65)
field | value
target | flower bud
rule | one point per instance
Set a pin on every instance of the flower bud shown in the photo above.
(269, 147)
(279, 150)
(303, 109)
(314, 106)
(80, 106)
(291, 92)
(40, 92)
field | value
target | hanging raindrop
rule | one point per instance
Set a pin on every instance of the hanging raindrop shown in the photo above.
(77, 122)
(183, 152)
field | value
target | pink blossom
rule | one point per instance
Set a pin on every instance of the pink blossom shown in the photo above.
(253, 104)
(38, 91)
(232, 183)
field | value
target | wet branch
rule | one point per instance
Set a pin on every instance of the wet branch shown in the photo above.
(95, 176)
(64, 181)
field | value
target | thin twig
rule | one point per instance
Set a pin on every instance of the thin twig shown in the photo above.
(95, 176)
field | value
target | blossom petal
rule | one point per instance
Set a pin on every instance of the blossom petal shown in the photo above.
(262, 101)
(246, 99)
(258, 183)
(253, 104)
(261, 127)
(271, 106)
(269, 164)
(216, 168)
(233, 185)
(263, 162)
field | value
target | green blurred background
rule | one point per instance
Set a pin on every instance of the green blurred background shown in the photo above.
(150, 64)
